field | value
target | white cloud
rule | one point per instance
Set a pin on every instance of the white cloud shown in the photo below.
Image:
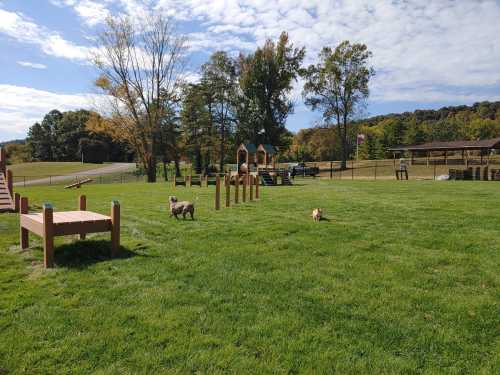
(32, 65)
(91, 12)
(21, 107)
(22, 29)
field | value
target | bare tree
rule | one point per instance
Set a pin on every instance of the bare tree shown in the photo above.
(141, 68)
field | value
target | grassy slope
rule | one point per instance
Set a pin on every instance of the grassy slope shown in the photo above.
(44, 169)
(403, 278)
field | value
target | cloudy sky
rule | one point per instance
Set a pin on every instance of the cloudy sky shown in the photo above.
(426, 54)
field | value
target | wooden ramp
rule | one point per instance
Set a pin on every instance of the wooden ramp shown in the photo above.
(6, 199)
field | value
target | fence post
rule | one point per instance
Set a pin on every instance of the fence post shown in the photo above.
(331, 170)
(376, 169)
(50, 180)
(434, 169)
(217, 192)
(352, 170)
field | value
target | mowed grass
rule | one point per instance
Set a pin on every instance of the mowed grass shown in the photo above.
(402, 277)
(38, 170)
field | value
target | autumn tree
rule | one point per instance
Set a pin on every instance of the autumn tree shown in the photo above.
(338, 87)
(141, 67)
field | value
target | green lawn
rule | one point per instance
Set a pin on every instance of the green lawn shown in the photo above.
(402, 278)
(38, 170)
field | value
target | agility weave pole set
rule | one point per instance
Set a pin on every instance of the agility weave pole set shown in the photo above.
(49, 224)
(248, 180)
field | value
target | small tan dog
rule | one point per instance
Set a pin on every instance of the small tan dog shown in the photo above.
(177, 208)
(317, 214)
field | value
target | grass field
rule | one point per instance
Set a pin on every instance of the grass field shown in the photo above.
(402, 278)
(38, 170)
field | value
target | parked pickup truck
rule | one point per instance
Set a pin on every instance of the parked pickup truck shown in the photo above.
(301, 169)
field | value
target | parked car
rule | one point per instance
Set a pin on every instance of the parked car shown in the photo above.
(301, 169)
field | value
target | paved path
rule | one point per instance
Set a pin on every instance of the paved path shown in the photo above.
(108, 169)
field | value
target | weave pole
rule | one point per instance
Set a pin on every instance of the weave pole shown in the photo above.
(217, 192)
(228, 190)
(244, 190)
(251, 182)
(257, 184)
(237, 188)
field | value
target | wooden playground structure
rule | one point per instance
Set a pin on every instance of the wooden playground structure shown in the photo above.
(49, 224)
(260, 161)
(9, 202)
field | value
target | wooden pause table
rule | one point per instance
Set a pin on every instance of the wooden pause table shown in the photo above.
(50, 224)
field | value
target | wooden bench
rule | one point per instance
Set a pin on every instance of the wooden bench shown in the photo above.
(50, 224)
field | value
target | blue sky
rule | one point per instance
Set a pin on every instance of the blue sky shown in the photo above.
(426, 54)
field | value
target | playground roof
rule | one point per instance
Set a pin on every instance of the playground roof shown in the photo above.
(250, 147)
(270, 149)
(450, 146)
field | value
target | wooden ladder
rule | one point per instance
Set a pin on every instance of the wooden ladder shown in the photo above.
(6, 200)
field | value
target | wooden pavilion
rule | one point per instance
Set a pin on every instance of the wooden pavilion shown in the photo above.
(262, 156)
(484, 147)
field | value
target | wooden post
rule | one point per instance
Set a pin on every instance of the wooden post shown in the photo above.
(174, 180)
(428, 154)
(446, 158)
(10, 182)
(48, 235)
(250, 181)
(17, 197)
(115, 228)
(244, 190)
(24, 233)
(331, 170)
(217, 192)
(188, 180)
(228, 191)
(206, 180)
(352, 170)
(434, 170)
(237, 189)
(376, 169)
(82, 206)
(257, 187)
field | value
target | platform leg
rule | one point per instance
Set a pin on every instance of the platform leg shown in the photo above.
(244, 190)
(48, 236)
(82, 206)
(24, 234)
(115, 228)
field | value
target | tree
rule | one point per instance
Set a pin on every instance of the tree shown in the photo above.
(266, 81)
(338, 86)
(195, 121)
(41, 137)
(219, 81)
(141, 68)
(67, 133)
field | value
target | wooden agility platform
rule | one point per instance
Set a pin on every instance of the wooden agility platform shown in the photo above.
(50, 224)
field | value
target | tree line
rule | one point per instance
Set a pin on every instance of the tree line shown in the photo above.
(63, 136)
(479, 121)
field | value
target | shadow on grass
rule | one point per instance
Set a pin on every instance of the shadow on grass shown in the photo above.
(81, 254)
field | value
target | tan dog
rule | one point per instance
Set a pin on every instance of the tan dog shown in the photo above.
(317, 214)
(177, 208)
